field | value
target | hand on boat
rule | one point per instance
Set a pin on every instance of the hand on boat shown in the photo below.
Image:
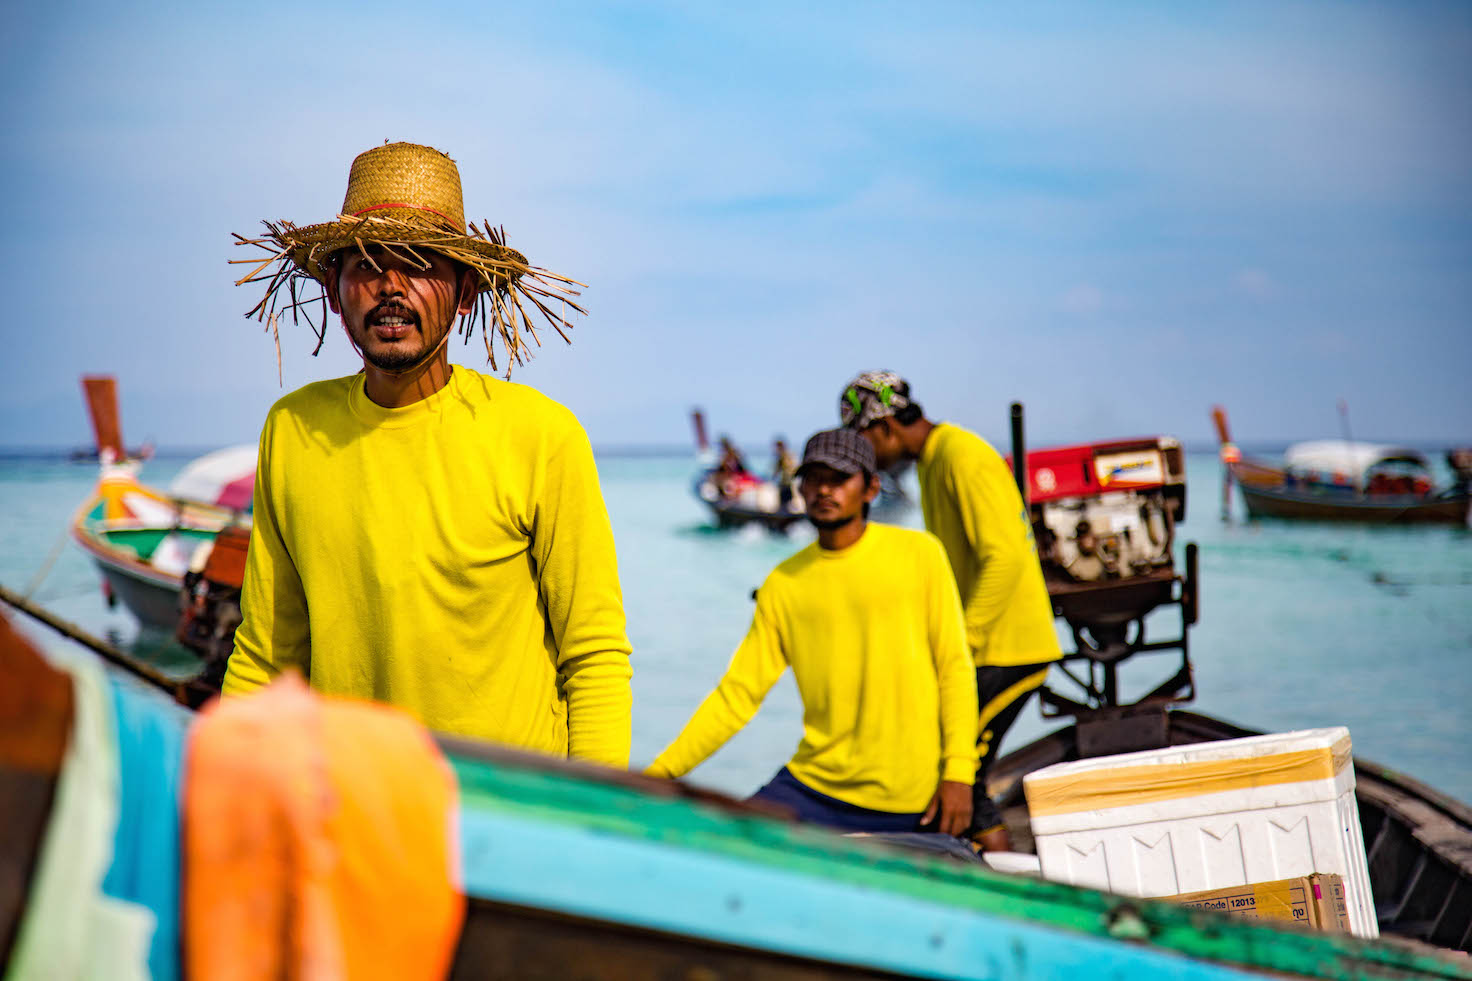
(952, 801)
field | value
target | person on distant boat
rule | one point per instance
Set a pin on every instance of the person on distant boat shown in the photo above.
(869, 620)
(424, 534)
(731, 460)
(784, 471)
(970, 502)
(731, 472)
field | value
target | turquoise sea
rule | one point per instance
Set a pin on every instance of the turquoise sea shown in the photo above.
(1302, 625)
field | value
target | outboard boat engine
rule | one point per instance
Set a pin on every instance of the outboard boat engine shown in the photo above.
(1104, 516)
(1107, 510)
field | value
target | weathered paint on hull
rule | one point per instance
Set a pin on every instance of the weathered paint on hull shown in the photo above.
(848, 929)
(613, 853)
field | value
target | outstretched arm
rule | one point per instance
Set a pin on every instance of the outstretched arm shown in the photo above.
(754, 669)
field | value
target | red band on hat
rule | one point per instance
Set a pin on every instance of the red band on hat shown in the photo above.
(395, 204)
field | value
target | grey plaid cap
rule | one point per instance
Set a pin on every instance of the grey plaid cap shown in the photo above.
(842, 449)
(872, 396)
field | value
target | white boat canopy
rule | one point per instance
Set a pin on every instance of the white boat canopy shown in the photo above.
(1328, 456)
(224, 477)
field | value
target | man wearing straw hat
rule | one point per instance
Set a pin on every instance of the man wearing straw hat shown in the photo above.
(971, 504)
(426, 535)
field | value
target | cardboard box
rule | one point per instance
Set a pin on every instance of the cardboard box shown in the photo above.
(1314, 900)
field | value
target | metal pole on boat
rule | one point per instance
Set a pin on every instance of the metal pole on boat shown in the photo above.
(1019, 454)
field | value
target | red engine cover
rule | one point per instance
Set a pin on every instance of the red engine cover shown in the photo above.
(1089, 469)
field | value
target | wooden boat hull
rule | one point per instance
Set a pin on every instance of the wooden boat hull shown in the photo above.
(1278, 502)
(701, 887)
(891, 502)
(1418, 841)
(575, 870)
(124, 527)
(152, 597)
(731, 514)
(738, 517)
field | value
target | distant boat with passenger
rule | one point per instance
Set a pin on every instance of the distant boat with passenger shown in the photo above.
(1348, 480)
(736, 495)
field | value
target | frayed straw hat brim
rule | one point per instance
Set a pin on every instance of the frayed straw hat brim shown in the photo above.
(310, 246)
(406, 199)
(511, 290)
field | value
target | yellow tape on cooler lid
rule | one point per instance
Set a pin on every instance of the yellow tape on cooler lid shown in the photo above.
(1096, 790)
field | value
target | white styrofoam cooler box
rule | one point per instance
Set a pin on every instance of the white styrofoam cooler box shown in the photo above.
(1206, 816)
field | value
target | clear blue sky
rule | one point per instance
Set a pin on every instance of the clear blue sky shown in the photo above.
(1119, 213)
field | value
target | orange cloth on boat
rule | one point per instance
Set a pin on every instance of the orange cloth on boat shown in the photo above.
(453, 557)
(873, 634)
(319, 841)
(970, 502)
(35, 710)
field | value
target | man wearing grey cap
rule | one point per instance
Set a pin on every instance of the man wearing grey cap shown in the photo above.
(869, 620)
(971, 504)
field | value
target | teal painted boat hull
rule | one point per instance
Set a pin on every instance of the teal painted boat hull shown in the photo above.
(581, 871)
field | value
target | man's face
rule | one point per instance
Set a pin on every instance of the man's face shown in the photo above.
(833, 498)
(397, 313)
(885, 438)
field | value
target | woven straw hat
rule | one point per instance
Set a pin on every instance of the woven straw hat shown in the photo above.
(407, 198)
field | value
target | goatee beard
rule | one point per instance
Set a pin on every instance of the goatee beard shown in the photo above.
(397, 362)
(833, 525)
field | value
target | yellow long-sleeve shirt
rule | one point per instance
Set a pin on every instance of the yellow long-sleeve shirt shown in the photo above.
(873, 635)
(970, 502)
(453, 557)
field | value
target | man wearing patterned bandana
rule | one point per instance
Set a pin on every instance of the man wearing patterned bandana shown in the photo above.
(971, 504)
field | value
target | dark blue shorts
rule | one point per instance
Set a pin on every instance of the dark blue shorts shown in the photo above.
(816, 808)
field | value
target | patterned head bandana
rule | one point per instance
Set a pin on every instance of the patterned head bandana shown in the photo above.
(872, 396)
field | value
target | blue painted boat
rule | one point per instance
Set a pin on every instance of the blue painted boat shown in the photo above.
(580, 871)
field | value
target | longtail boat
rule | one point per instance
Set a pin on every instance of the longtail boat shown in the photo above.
(573, 870)
(738, 497)
(144, 541)
(741, 498)
(1348, 480)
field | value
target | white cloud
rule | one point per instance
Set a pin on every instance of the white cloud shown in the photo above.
(1082, 299)
(1256, 284)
